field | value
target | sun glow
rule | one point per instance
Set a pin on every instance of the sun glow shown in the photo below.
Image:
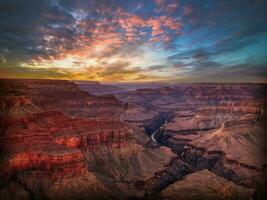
(69, 62)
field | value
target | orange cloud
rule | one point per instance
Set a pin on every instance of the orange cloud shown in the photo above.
(131, 22)
(95, 48)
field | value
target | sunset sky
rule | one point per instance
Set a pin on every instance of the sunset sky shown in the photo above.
(134, 40)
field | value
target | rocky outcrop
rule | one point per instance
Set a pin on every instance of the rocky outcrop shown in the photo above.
(45, 125)
(235, 150)
(219, 127)
(122, 168)
(59, 142)
(205, 185)
(135, 114)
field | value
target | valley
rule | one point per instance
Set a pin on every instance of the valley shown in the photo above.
(59, 141)
(215, 127)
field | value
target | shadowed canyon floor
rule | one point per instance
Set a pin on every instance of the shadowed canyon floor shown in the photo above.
(64, 140)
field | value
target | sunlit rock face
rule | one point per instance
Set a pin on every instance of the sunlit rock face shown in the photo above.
(58, 142)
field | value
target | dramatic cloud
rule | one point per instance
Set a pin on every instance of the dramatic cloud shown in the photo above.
(115, 40)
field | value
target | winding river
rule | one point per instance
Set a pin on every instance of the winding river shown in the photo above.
(156, 131)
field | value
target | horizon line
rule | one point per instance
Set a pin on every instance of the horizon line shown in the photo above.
(139, 82)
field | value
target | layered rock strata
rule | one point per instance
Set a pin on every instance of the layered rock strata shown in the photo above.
(58, 142)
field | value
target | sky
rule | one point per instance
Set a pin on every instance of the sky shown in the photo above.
(134, 40)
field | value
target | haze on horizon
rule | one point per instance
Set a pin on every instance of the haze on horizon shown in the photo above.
(134, 40)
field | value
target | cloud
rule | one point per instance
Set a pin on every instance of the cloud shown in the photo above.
(166, 6)
(234, 73)
(73, 41)
(25, 72)
(111, 39)
(157, 68)
(160, 2)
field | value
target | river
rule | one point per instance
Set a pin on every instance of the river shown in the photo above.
(155, 132)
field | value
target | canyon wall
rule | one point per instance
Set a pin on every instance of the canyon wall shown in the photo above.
(216, 127)
(58, 142)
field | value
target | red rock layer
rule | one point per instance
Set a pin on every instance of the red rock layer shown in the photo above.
(44, 123)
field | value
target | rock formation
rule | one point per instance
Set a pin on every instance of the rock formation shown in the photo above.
(205, 185)
(219, 127)
(58, 142)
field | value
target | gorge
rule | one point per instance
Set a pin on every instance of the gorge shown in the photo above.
(181, 141)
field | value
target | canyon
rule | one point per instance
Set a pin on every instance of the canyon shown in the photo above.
(218, 127)
(85, 140)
